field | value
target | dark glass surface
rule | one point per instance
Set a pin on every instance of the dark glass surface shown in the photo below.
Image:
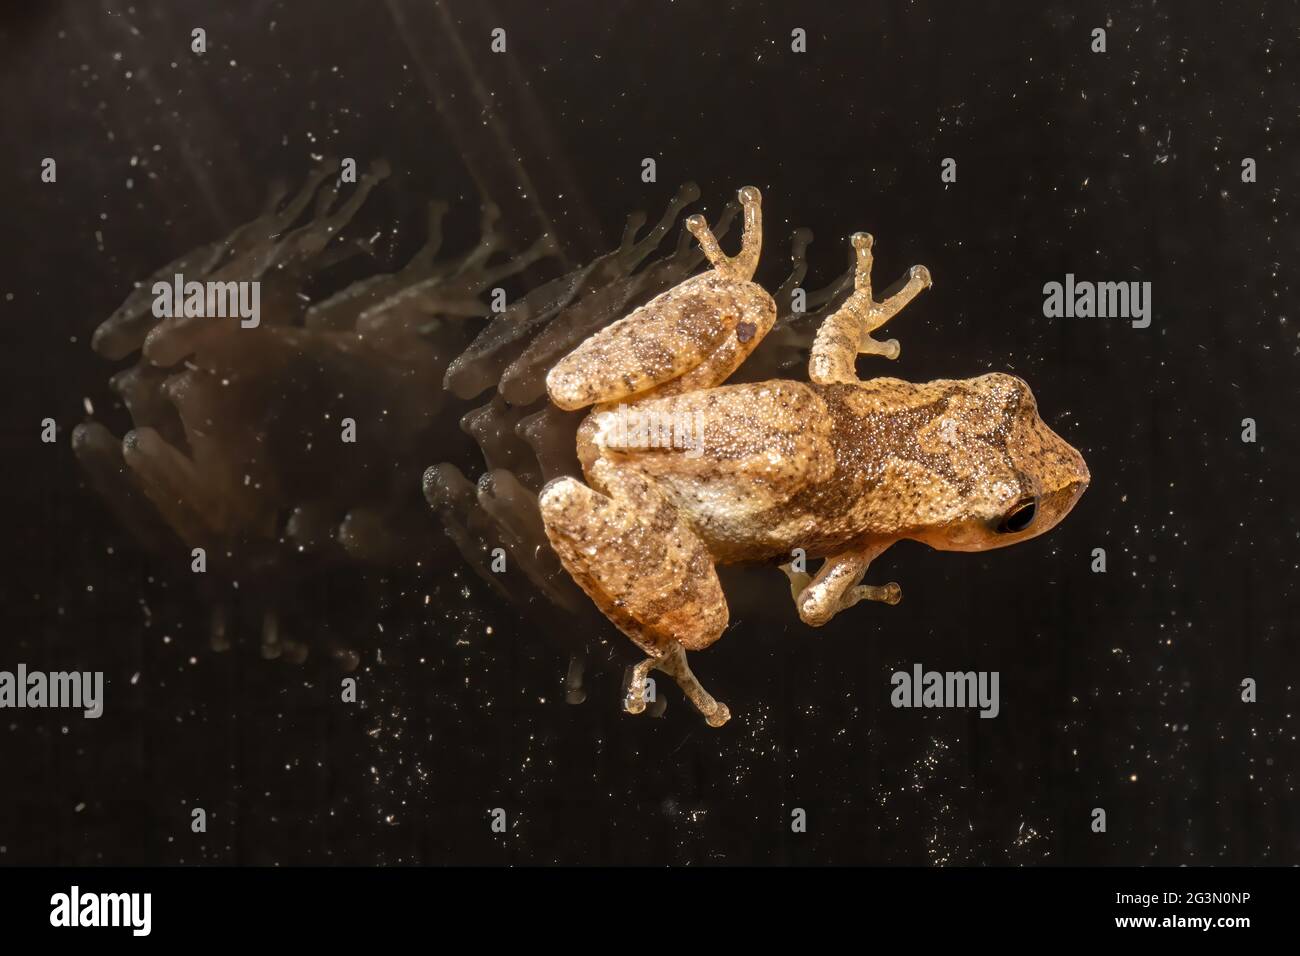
(1119, 690)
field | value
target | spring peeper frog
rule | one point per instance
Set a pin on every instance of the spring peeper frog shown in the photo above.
(684, 473)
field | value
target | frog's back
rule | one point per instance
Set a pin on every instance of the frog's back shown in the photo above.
(761, 468)
(771, 466)
(731, 458)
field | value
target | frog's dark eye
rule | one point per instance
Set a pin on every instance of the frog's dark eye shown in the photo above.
(1019, 518)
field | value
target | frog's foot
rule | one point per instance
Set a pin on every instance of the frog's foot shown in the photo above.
(643, 566)
(847, 333)
(889, 593)
(740, 267)
(836, 586)
(673, 662)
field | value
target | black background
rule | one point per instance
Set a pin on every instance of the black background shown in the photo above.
(1119, 690)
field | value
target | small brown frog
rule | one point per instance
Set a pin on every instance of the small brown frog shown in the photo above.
(684, 473)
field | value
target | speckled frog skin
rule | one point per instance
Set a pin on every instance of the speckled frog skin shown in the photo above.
(835, 468)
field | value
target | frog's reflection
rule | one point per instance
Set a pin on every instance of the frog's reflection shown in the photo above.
(305, 442)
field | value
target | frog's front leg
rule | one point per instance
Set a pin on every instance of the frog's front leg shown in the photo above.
(837, 585)
(847, 333)
(646, 570)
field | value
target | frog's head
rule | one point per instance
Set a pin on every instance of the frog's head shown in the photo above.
(1018, 477)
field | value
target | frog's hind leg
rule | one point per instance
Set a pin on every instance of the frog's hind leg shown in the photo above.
(690, 337)
(847, 333)
(673, 663)
(646, 570)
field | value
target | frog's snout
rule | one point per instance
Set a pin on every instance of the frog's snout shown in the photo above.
(1070, 484)
(1081, 476)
